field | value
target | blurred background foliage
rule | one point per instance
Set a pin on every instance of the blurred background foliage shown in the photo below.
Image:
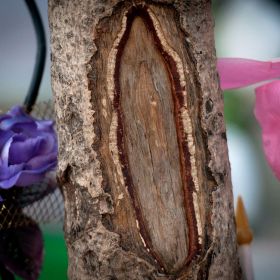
(248, 29)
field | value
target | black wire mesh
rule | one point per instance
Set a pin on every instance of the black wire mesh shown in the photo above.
(50, 207)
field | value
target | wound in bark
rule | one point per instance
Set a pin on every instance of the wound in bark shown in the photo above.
(151, 140)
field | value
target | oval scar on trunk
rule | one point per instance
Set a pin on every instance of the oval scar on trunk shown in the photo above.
(151, 139)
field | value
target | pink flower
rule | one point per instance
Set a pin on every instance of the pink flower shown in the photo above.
(238, 72)
(241, 72)
(267, 112)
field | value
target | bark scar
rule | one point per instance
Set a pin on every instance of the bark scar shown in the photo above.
(185, 138)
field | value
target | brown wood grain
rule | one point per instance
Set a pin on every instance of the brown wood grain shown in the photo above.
(151, 144)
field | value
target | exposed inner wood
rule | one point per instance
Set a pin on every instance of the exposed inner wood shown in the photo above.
(151, 144)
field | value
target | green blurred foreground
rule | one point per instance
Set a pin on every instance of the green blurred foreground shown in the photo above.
(55, 259)
(55, 262)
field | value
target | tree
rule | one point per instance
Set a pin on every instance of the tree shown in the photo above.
(143, 157)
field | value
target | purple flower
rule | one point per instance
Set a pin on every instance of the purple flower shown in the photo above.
(28, 148)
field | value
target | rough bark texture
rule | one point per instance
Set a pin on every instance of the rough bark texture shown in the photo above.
(143, 155)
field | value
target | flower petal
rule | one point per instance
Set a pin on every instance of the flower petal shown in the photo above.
(4, 137)
(36, 170)
(267, 112)
(49, 145)
(240, 72)
(45, 125)
(5, 152)
(18, 124)
(9, 175)
(22, 150)
(39, 162)
(16, 111)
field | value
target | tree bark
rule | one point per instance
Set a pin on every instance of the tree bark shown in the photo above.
(143, 158)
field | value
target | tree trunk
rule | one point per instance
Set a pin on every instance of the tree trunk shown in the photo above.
(143, 158)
